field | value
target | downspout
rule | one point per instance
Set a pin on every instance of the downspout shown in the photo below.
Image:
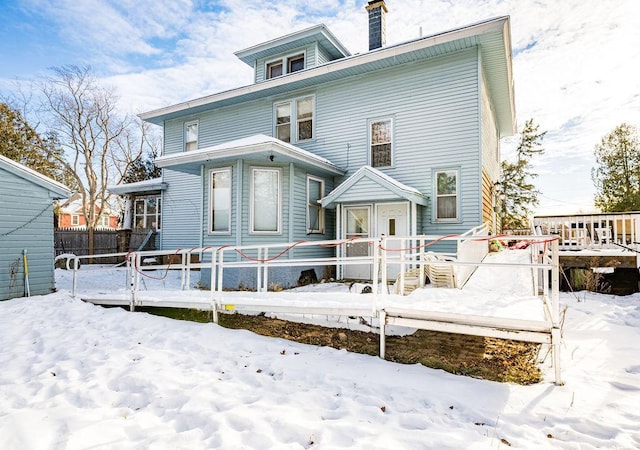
(291, 206)
(239, 202)
(481, 130)
(202, 208)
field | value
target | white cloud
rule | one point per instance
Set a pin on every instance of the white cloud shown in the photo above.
(574, 65)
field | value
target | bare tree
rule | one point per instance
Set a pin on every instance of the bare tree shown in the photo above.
(100, 143)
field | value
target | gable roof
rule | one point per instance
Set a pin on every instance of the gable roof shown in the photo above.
(358, 188)
(260, 146)
(318, 33)
(492, 37)
(56, 190)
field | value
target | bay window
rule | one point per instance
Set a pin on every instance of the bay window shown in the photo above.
(315, 212)
(220, 201)
(265, 201)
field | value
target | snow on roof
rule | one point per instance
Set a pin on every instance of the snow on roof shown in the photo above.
(246, 146)
(153, 184)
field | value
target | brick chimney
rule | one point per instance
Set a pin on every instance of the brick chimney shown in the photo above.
(377, 30)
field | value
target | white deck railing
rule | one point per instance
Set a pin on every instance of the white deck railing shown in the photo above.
(592, 231)
(406, 252)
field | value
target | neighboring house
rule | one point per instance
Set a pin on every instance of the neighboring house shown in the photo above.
(70, 214)
(400, 140)
(26, 223)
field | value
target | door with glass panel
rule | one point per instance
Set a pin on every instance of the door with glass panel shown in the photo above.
(357, 221)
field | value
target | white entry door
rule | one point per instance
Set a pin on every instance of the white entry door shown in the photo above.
(357, 221)
(392, 220)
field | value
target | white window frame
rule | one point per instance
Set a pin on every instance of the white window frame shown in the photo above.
(293, 120)
(210, 221)
(436, 196)
(184, 131)
(146, 215)
(320, 229)
(284, 60)
(75, 220)
(252, 214)
(370, 123)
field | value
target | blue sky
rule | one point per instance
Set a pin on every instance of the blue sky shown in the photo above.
(575, 61)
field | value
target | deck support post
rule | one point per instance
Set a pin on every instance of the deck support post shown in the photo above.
(556, 334)
(376, 276)
(132, 282)
(382, 315)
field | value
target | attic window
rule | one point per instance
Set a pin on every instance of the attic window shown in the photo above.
(284, 65)
(295, 63)
(274, 69)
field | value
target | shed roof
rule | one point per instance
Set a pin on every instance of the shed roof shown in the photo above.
(57, 190)
(154, 184)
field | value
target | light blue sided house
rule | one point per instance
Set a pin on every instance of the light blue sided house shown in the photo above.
(400, 140)
(26, 223)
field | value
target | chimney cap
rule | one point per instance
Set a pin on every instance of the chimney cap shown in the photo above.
(373, 4)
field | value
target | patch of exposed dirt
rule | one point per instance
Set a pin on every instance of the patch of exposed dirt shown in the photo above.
(487, 358)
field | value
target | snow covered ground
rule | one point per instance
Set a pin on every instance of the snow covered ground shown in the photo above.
(78, 376)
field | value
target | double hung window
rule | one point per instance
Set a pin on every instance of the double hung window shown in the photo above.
(446, 187)
(381, 141)
(299, 129)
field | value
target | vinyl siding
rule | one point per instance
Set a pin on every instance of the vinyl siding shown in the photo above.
(490, 142)
(181, 210)
(435, 107)
(28, 209)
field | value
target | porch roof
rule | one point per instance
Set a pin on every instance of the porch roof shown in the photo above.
(154, 184)
(258, 148)
(358, 188)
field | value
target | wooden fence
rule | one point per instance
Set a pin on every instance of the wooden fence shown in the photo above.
(69, 240)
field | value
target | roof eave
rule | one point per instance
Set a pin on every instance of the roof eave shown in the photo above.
(498, 24)
(203, 155)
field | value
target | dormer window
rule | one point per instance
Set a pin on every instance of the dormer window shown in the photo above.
(274, 69)
(295, 63)
(285, 65)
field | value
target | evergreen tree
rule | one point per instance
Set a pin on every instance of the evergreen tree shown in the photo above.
(21, 143)
(617, 172)
(142, 169)
(515, 187)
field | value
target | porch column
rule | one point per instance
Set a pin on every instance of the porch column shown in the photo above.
(127, 220)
